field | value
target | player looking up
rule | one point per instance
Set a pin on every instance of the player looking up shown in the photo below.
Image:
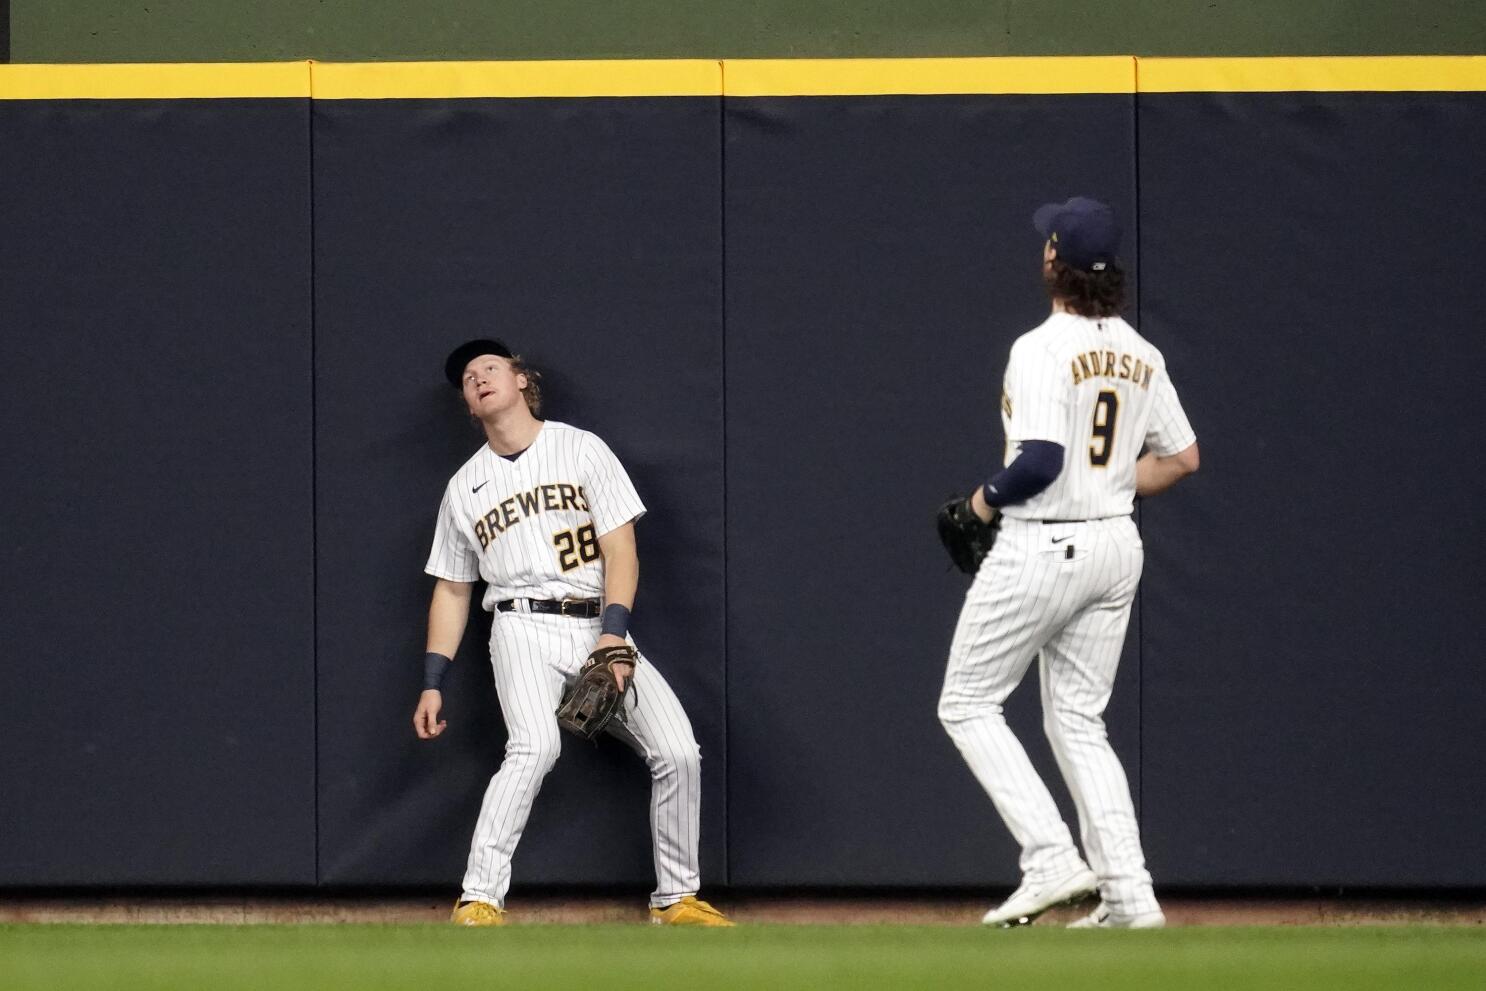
(545, 515)
(1083, 394)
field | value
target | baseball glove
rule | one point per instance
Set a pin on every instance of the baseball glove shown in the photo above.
(596, 696)
(964, 536)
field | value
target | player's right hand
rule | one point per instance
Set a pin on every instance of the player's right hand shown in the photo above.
(426, 722)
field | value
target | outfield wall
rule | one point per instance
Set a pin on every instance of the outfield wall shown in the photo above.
(784, 293)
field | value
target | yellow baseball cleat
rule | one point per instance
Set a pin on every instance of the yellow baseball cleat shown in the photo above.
(477, 914)
(689, 911)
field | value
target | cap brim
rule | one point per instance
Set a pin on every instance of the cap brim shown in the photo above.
(1044, 217)
(468, 352)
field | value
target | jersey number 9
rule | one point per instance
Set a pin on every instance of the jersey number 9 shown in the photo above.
(576, 547)
(1101, 440)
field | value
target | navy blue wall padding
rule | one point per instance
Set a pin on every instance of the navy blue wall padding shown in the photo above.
(586, 234)
(227, 432)
(159, 666)
(1313, 684)
(880, 261)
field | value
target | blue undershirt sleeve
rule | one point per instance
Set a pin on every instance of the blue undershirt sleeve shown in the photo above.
(1035, 467)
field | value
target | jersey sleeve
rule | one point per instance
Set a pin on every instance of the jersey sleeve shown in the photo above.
(612, 499)
(1169, 431)
(453, 556)
(1037, 396)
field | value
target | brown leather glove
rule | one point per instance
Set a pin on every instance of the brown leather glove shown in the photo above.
(596, 696)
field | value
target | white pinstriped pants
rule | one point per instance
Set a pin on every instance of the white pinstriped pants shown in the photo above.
(1061, 592)
(535, 656)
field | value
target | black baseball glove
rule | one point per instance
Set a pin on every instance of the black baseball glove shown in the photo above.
(964, 536)
(596, 696)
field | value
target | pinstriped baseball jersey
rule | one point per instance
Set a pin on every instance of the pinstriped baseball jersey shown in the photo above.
(530, 527)
(1101, 390)
(1057, 588)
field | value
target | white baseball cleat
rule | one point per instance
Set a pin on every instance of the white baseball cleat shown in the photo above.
(1103, 918)
(1035, 897)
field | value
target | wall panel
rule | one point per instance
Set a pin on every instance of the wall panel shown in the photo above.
(159, 554)
(880, 262)
(1312, 672)
(586, 234)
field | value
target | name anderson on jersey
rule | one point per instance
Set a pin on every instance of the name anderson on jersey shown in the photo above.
(1111, 364)
(524, 505)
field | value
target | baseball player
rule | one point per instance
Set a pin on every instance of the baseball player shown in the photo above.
(1083, 395)
(545, 515)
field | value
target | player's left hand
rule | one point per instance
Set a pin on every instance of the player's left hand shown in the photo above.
(965, 534)
(982, 509)
(622, 672)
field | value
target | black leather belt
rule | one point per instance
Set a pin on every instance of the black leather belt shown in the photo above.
(1097, 519)
(582, 608)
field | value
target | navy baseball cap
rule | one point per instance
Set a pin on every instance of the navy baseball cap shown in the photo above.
(1084, 232)
(467, 352)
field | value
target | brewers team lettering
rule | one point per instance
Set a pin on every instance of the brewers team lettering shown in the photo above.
(530, 526)
(524, 505)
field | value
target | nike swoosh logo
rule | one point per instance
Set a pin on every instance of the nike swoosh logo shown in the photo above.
(1059, 540)
(477, 488)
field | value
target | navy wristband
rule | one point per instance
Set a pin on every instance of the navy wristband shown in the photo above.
(434, 666)
(616, 620)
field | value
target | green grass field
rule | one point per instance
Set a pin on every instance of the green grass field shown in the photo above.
(441, 958)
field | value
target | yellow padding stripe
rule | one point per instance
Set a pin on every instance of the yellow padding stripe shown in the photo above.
(881, 77)
(740, 77)
(1375, 74)
(155, 81)
(445, 80)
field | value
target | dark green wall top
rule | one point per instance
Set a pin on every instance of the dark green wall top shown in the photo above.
(368, 30)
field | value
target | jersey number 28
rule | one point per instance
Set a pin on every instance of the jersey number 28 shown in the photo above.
(576, 547)
(1101, 440)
